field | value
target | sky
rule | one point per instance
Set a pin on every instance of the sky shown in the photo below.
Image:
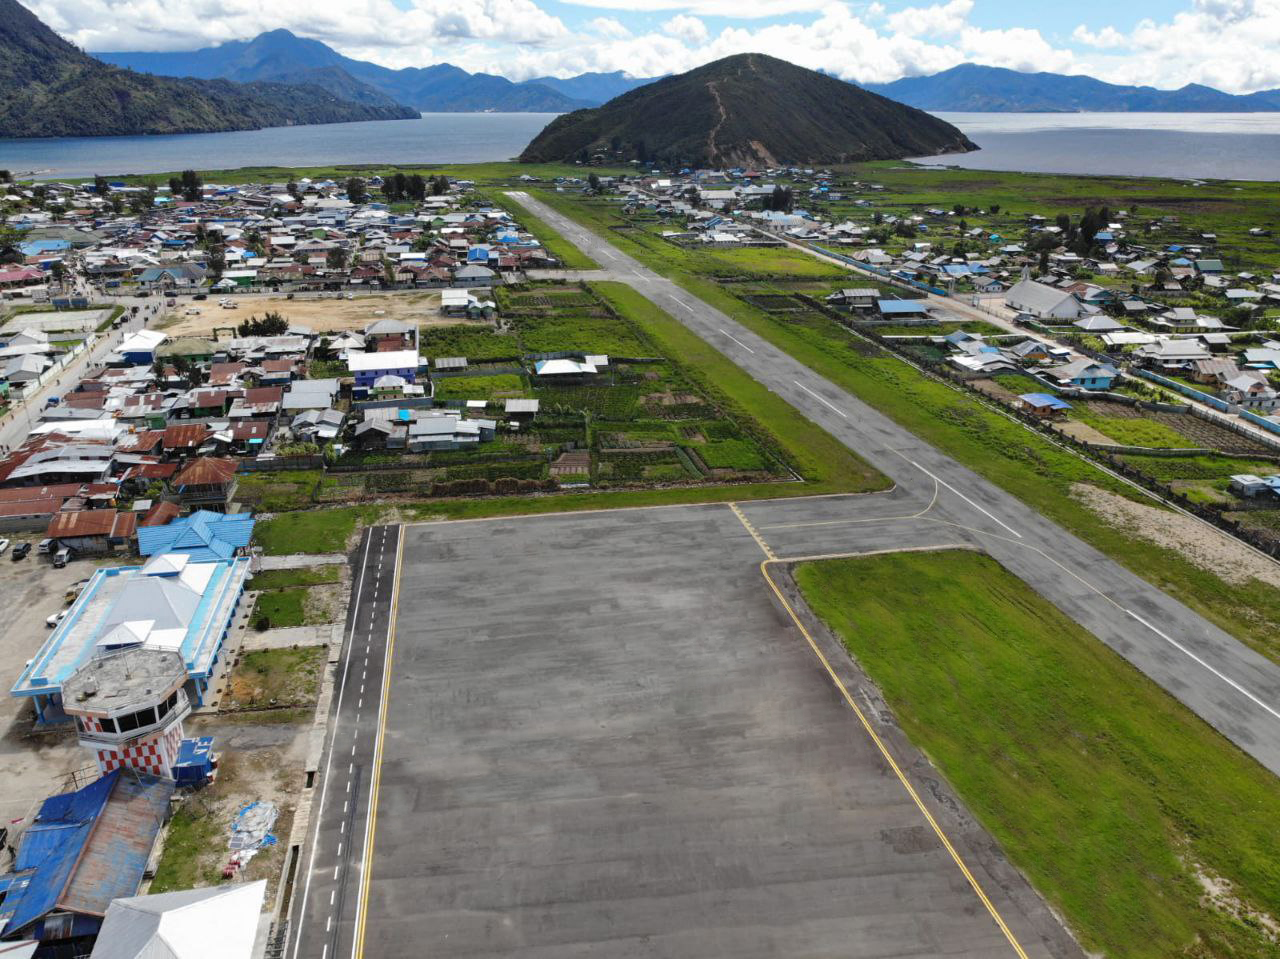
(1228, 44)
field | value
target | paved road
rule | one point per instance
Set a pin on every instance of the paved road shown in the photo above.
(1230, 686)
(327, 899)
(15, 426)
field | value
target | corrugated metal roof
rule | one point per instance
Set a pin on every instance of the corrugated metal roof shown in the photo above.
(203, 535)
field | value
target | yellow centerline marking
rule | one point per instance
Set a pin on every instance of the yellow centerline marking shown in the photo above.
(366, 869)
(888, 757)
(746, 523)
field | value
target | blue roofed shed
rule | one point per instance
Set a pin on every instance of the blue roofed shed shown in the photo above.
(1043, 404)
(204, 536)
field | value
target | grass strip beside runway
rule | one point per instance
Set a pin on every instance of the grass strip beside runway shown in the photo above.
(1144, 827)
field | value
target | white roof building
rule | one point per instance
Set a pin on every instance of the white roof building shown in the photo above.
(218, 922)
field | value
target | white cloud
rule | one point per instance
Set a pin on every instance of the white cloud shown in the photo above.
(1104, 39)
(689, 29)
(936, 21)
(347, 26)
(608, 27)
(738, 9)
(1230, 44)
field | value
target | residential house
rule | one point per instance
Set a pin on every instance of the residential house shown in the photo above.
(1085, 374)
(206, 483)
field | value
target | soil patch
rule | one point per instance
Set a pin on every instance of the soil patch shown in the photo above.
(1206, 547)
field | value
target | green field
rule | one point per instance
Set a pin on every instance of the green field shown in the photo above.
(479, 387)
(1131, 431)
(1115, 800)
(302, 576)
(312, 531)
(477, 343)
(1015, 458)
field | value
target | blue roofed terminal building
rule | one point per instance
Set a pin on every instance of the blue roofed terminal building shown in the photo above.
(183, 599)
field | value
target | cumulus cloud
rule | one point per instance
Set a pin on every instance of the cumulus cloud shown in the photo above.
(739, 9)
(936, 21)
(353, 24)
(1229, 44)
(686, 28)
(1106, 38)
(608, 27)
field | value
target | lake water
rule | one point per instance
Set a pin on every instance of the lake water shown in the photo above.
(1241, 146)
(1232, 146)
(433, 138)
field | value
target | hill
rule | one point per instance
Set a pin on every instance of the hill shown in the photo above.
(279, 54)
(594, 89)
(50, 88)
(973, 88)
(745, 110)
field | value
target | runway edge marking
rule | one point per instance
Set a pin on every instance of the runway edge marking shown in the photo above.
(888, 757)
(357, 946)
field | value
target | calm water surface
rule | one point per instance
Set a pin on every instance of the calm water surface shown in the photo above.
(1232, 146)
(433, 138)
(1241, 146)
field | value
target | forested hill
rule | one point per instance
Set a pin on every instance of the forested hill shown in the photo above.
(974, 88)
(747, 110)
(49, 88)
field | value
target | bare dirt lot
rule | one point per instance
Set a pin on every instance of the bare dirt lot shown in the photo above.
(1208, 548)
(322, 315)
(33, 764)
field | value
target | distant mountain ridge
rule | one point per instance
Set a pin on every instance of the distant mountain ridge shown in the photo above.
(746, 110)
(441, 88)
(971, 88)
(49, 88)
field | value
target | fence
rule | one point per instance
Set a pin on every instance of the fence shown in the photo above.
(273, 464)
(1205, 398)
(1256, 420)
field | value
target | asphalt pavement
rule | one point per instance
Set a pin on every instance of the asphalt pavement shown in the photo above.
(328, 889)
(1229, 685)
(605, 738)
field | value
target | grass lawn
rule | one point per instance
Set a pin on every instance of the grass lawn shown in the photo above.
(479, 387)
(281, 608)
(1111, 796)
(266, 678)
(303, 576)
(1128, 431)
(312, 531)
(1019, 461)
(193, 831)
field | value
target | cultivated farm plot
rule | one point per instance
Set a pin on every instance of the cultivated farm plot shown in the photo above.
(1179, 429)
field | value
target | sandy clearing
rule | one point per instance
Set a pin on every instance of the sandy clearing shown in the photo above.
(322, 315)
(1207, 547)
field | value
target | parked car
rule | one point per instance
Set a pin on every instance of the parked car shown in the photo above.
(201, 296)
(4, 544)
(56, 618)
(20, 552)
(75, 589)
(61, 558)
(45, 546)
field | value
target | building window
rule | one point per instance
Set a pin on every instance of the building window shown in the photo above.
(128, 722)
(108, 725)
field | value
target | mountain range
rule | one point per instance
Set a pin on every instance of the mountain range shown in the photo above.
(746, 110)
(50, 88)
(970, 88)
(443, 88)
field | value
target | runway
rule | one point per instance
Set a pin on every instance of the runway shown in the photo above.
(1231, 687)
